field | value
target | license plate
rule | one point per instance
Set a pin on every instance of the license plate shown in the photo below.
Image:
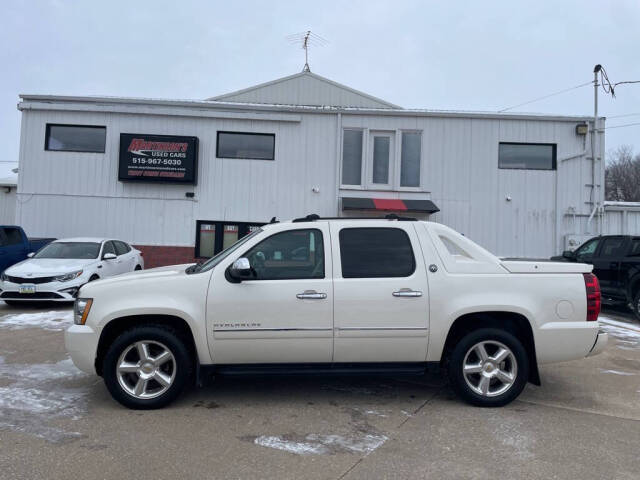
(27, 289)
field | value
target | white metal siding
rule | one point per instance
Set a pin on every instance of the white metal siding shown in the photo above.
(7, 206)
(71, 194)
(304, 89)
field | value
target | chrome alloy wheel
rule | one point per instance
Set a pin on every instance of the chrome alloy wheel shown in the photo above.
(146, 369)
(490, 368)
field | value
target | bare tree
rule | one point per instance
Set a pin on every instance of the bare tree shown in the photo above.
(622, 175)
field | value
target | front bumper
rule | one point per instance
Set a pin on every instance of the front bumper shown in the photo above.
(81, 341)
(50, 292)
(601, 342)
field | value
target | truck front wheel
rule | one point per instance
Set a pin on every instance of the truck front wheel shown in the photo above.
(147, 367)
(488, 367)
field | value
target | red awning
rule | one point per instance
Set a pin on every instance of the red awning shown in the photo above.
(389, 204)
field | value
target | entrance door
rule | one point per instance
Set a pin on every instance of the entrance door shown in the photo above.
(285, 313)
(381, 305)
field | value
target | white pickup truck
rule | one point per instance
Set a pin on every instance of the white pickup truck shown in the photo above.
(319, 295)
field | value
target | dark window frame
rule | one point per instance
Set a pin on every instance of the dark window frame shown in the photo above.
(243, 229)
(324, 255)
(554, 160)
(48, 133)
(273, 150)
(413, 253)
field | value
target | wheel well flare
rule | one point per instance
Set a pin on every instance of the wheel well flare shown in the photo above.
(118, 325)
(514, 323)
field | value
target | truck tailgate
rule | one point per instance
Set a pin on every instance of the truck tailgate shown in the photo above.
(546, 267)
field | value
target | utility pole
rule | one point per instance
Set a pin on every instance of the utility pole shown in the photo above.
(594, 146)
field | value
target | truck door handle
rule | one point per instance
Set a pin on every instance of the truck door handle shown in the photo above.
(407, 292)
(613, 265)
(311, 295)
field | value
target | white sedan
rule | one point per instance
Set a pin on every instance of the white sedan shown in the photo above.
(58, 270)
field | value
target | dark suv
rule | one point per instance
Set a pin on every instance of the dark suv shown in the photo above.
(616, 263)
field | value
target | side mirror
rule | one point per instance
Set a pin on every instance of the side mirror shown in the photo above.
(241, 270)
(30, 254)
(569, 255)
(109, 256)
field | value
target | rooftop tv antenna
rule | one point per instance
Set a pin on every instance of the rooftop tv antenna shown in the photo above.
(306, 40)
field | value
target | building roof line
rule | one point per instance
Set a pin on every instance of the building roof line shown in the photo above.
(51, 100)
(303, 74)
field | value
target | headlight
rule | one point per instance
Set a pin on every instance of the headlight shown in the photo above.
(68, 276)
(3, 277)
(81, 310)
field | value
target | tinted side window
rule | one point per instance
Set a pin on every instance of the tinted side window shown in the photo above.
(634, 251)
(121, 247)
(108, 248)
(612, 247)
(375, 253)
(296, 254)
(586, 251)
(13, 236)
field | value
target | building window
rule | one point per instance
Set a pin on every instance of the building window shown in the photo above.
(251, 146)
(529, 156)
(352, 157)
(214, 236)
(375, 253)
(410, 155)
(75, 138)
(382, 168)
(382, 152)
(295, 254)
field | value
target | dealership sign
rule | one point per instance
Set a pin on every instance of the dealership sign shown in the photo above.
(158, 158)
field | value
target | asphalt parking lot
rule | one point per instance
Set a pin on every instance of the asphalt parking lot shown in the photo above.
(56, 422)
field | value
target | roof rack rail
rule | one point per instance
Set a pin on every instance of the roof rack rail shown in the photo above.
(391, 216)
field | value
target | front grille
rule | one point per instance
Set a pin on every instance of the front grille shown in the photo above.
(36, 280)
(26, 296)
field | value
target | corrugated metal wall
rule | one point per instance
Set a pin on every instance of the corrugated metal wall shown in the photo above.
(304, 89)
(69, 194)
(621, 221)
(7, 206)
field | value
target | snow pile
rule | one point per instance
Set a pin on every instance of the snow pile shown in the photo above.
(54, 320)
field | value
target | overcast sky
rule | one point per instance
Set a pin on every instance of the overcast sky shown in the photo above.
(475, 55)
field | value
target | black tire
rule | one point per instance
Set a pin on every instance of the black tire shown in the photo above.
(138, 267)
(463, 348)
(94, 277)
(635, 305)
(156, 334)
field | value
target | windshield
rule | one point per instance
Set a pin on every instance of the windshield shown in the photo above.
(216, 259)
(81, 250)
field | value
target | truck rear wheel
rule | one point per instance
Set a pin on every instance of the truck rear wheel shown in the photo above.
(147, 367)
(488, 367)
(635, 306)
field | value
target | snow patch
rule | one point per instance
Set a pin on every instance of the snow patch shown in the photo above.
(627, 335)
(616, 372)
(54, 320)
(36, 395)
(315, 444)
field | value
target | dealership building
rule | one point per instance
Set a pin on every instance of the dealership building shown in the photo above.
(183, 179)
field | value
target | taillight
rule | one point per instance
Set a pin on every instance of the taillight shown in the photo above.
(593, 296)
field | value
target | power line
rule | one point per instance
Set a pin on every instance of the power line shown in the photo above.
(547, 96)
(624, 115)
(624, 125)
